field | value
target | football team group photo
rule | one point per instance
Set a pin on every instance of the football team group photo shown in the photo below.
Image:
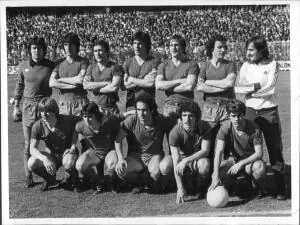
(149, 111)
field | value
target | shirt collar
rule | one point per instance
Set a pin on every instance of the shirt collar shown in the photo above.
(33, 63)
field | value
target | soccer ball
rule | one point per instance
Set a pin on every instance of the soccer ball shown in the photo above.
(218, 197)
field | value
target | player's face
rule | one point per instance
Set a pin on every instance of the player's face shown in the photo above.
(70, 49)
(139, 48)
(219, 50)
(37, 52)
(252, 54)
(188, 121)
(90, 119)
(47, 116)
(236, 119)
(144, 113)
(100, 53)
(175, 48)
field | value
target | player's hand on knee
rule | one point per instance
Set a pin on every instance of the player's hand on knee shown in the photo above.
(121, 167)
(235, 168)
(181, 193)
(50, 166)
(180, 168)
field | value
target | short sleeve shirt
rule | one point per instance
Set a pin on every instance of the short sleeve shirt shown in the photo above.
(94, 74)
(172, 72)
(133, 69)
(189, 143)
(240, 146)
(209, 72)
(103, 140)
(141, 140)
(65, 69)
(61, 138)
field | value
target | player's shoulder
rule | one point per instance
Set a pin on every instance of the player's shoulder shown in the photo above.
(37, 126)
(130, 118)
(24, 63)
(80, 125)
(177, 130)
(226, 125)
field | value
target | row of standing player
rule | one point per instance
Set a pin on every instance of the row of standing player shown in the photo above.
(142, 74)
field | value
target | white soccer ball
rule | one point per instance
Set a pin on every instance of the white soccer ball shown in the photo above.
(218, 197)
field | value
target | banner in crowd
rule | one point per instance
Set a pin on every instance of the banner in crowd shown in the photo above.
(283, 65)
(12, 70)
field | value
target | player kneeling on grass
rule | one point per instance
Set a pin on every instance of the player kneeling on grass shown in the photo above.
(190, 144)
(145, 133)
(99, 132)
(243, 139)
(57, 131)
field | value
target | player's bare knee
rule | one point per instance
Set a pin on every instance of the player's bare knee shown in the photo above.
(166, 166)
(68, 162)
(203, 166)
(32, 163)
(110, 164)
(259, 169)
(82, 164)
(154, 172)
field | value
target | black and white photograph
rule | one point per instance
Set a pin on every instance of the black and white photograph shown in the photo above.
(160, 112)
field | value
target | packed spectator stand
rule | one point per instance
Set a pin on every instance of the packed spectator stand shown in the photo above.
(116, 25)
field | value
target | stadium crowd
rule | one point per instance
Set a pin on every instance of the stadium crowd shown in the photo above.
(117, 25)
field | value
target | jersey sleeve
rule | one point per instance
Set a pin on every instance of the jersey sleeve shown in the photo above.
(174, 136)
(202, 74)
(36, 131)
(126, 65)
(84, 64)
(257, 137)
(161, 70)
(231, 68)
(223, 132)
(19, 83)
(118, 71)
(127, 124)
(88, 75)
(193, 68)
(206, 130)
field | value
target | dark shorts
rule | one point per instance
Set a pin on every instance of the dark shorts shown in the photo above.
(143, 158)
(111, 110)
(58, 157)
(72, 106)
(214, 113)
(30, 111)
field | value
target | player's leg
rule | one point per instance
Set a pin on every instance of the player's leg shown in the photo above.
(166, 170)
(269, 122)
(71, 179)
(202, 168)
(152, 164)
(87, 164)
(111, 161)
(134, 172)
(26, 156)
(37, 166)
(257, 170)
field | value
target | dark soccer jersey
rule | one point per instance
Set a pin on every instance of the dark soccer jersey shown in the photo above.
(94, 74)
(33, 79)
(172, 72)
(189, 143)
(133, 69)
(240, 146)
(142, 140)
(65, 69)
(209, 72)
(102, 141)
(60, 139)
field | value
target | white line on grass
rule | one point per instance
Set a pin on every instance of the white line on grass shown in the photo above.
(238, 213)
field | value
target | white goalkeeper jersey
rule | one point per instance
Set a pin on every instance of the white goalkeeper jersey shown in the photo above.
(266, 75)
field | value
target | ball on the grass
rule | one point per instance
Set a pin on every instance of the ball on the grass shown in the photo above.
(218, 197)
(12, 101)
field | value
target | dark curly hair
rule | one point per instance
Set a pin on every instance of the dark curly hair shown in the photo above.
(235, 106)
(211, 44)
(143, 37)
(39, 41)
